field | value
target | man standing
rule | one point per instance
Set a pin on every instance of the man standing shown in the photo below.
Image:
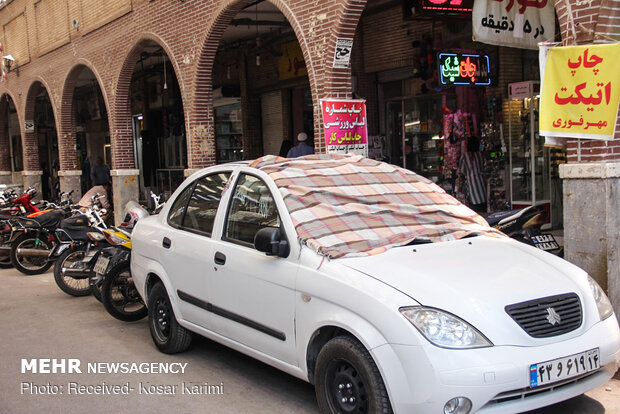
(100, 173)
(301, 148)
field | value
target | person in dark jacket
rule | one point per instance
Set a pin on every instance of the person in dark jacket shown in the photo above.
(301, 148)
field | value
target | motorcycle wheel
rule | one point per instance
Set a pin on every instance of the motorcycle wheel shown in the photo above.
(5, 261)
(71, 259)
(30, 265)
(120, 296)
(95, 287)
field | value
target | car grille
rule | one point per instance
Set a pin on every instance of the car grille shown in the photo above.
(535, 316)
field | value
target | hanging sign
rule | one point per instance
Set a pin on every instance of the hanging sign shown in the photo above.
(581, 92)
(344, 122)
(29, 126)
(464, 69)
(291, 63)
(448, 6)
(520, 23)
(342, 53)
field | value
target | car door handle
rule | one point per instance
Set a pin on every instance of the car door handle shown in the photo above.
(166, 243)
(220, 258)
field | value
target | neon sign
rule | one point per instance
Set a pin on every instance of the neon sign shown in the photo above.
(464, 69)
(448, 6)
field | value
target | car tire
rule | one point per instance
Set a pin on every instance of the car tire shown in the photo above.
(347, 379)
(169, 337)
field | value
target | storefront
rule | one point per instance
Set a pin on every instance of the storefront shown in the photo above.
(446, 110)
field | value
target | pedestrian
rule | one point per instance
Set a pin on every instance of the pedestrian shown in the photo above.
(98, 190)
(100, 173)
(301, 148)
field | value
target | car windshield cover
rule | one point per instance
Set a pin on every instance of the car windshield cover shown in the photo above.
(347, 206)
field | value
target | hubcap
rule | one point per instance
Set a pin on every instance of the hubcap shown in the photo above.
(161, 319)
(345, 388)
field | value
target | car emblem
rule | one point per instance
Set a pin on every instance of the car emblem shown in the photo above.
(553, 317)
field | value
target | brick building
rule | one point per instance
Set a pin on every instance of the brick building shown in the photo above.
(160, 88)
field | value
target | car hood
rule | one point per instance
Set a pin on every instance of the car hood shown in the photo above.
(476, 278)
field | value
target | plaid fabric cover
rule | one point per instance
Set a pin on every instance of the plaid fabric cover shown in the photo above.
(346, 206)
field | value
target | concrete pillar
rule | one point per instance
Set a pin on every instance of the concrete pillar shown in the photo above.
(71, 180)
(33, 179)
(592, 221)
(6, 177)
(125, 187)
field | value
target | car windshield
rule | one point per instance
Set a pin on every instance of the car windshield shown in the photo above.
(347, 206)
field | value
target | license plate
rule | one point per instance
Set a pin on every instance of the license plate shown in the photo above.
(560, 369)
(545, 242)
(102, 265)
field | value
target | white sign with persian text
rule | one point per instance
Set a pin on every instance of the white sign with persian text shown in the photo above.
(513, 23)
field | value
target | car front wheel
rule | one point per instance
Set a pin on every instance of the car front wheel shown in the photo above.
(168, 335)
(348, 380)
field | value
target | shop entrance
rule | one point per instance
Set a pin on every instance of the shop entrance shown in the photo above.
(158, 121)
(13, 133)
(47, 141)
(261, 92)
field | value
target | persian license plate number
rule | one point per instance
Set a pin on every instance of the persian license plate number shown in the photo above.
(101, 265)
(545, 242)
(559, 369)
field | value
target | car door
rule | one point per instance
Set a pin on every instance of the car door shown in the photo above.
(187, 246)
(253, 295)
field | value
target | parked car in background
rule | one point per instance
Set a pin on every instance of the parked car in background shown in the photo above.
(373, 284)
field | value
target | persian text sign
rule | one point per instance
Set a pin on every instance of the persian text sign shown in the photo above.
(581, 92)
(522, 25)
(344, 121)
(448, 6)
(464, 69)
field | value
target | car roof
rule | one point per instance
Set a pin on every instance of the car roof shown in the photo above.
(346, 206)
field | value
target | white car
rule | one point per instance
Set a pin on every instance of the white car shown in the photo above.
(374, 285)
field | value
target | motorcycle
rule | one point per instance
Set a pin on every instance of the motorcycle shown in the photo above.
(112, 271)
(79, 243)
(34, 251)
(20, 206)
(525, 225)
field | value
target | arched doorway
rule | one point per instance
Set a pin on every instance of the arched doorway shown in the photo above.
(12, 159)
(41, 144)
(261, 91)
(89, 117)
(158, 121)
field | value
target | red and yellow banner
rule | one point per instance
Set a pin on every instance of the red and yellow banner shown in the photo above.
(581, 92)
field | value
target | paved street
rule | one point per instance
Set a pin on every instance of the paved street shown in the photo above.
(39, 321)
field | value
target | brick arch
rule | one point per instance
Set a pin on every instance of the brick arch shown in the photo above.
(5, 156)
(29, 141)
(201, 126)
(66, 127)
(122, 138)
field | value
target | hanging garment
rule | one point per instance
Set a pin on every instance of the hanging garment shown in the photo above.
(471, 167)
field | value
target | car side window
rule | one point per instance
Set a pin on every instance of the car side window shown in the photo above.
(177, 211)
(252, 208)
(203, 203)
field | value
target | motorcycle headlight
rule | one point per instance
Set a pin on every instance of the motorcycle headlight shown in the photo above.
(605, 310)
(443, 329)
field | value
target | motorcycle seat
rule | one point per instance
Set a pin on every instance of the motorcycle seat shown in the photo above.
(51, 219)
(502, 217)
(77, 233)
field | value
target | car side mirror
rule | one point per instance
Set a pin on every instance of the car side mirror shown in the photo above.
(271, 241)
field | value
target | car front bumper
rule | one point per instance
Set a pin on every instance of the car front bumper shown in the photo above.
(422, 379)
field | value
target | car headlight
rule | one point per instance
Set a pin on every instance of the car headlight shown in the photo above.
(605, 310)
(443, 329)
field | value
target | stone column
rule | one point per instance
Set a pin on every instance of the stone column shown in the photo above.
(592, 220)
(33, 179)
(125, 187)
(71, 180)
(6, 177)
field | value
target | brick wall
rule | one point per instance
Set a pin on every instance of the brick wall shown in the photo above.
(594, 21)
(109, 35)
